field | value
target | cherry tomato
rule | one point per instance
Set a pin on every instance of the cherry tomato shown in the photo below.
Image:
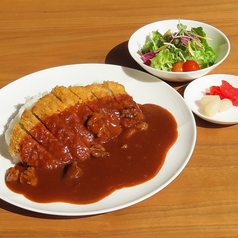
(178, 67)
(190, 65)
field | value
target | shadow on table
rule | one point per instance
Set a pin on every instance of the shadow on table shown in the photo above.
(120, 55)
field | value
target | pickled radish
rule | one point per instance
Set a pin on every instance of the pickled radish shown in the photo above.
(207, 98)
(220, 98)
(226, 90)
(212, 104)
(225, 105)
(212, 107)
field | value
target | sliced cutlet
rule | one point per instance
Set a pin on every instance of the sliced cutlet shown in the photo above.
(44, 137)
(47, 109)
(83, 93)
(98, 90)
(76, 114)
(66, 96)
(115, 88)
(22, 143)
(120, 94)
(17, 135)
(108, 106)
(47, 106)
(104, 98)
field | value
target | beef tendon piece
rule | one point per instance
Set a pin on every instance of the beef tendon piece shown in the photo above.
(96, 125)
(12, 174)
(130, 112)
(106, 105)
(97, 150)
(73, 171)
(99, 99)
(97, 121)
(29, 177)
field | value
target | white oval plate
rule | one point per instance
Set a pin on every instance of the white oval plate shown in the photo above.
(143, 87)
(197, 89)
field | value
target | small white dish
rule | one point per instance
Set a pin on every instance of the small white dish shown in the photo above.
(197, 89)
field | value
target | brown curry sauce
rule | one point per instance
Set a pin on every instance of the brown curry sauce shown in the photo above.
(131, 159)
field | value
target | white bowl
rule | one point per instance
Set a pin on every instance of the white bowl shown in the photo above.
(219, 43)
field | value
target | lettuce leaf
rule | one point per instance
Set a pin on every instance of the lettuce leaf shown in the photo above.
(165, 50)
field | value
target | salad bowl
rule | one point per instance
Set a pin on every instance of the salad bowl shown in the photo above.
(217, 40)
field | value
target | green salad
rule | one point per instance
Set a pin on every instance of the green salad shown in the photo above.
(163, 51)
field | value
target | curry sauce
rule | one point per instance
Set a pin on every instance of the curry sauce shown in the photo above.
(132, 157)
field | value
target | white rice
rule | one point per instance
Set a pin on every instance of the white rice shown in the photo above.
(29, 102)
